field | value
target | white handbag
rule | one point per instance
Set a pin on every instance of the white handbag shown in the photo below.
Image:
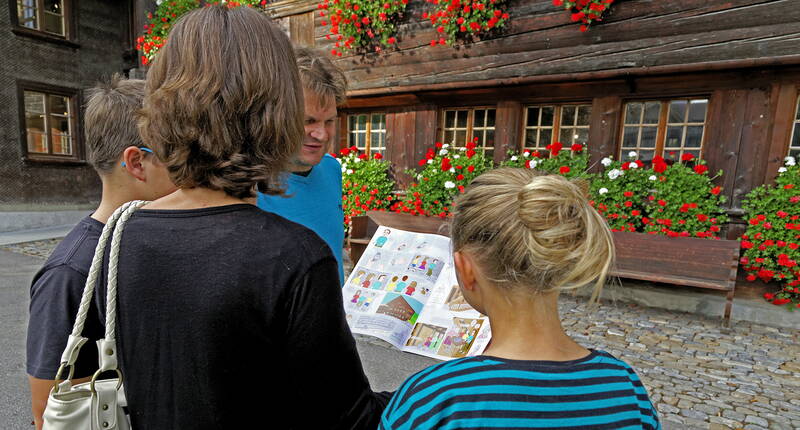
(98, 404)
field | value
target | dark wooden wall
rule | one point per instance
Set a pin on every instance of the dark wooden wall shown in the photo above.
(541, 41)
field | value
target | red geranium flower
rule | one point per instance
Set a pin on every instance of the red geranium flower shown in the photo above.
(563, 170)
(687, 157)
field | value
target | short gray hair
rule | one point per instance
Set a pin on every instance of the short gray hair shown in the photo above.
(320, 76)
(110, 120)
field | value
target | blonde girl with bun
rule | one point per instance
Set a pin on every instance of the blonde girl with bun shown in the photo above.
(519, 239)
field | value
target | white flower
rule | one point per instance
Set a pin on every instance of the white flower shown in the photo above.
(781, 170)
(606, 161)
(514, 158)
(602, 190)
(449, 184)
(344, 169)
(526, 154)
(652, 177)
(614, 174)
(462, 149)
(452, 170)
(443, 152)
(158, 2)
(533, 164)
(339, 160)
(446, 145)
(430, 161)
(357, 160)
(632, 154)
(456, 157)
(633, 166)
(789, 161)
(349, 171)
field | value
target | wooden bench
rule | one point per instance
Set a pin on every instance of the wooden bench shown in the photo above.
(693, 262)
(685, 261)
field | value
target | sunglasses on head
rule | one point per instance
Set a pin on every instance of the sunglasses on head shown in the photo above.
(141, 148)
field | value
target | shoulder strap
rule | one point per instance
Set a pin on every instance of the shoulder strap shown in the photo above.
(75, 340)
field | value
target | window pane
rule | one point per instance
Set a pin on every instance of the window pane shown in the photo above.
(677, 112)
(34, 102)
(674, 136)
(694, 136)
(547, 116)
(362, 122)
(54, 23)
(26, 13)
(582, 136)
(533, 117)
(461, 138)
(351, 123)
(361, 141)
(54, 6)
(795, 153)
(462, 119)
(651, 112)
(59, 105)
(449, 118)
(375, 140)
(353, 139)
(697, 110)
(59, 124)
(630, 137)
(62, 144)
(34, 122)
(491, 113)
(568, 115)
(377, 122)
(479, 120)
(584, 115)
(544, 137)
(633, 113)
(796, 138)
(489, 138)
(530, 139)
(566, 135)
(646, 156)
(37, 142)
(449, 137)
(648, 137)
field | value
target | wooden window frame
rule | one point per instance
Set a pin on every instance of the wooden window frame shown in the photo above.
(555, 129)
(661, 126)
(368, 132)
(76, 133)
(795, 131)
(69, 38)
(470, 129)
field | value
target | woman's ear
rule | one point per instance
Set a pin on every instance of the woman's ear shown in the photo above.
(465, 270)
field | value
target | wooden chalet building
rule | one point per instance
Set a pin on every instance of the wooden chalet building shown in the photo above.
(719, 79)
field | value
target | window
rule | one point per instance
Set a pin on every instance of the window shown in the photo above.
(367, 132)
(669, 128)
(46, 16)
(49, 123)
(794, 145)
(460, 126)
(545, 124)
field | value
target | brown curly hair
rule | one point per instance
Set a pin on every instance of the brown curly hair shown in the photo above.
(223, 107)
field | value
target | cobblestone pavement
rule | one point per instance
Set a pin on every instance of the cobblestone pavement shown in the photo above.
(700, 374)
(40, 248)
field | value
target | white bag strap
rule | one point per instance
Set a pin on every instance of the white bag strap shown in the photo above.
(75, 340)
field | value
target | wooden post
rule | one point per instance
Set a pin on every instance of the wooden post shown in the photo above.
(507, 128)
(606, 115)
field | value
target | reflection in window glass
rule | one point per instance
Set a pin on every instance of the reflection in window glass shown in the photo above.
(463, 125)
(48, 123)
(668, 128)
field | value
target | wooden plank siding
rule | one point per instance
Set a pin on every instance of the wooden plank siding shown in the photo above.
(540, 40)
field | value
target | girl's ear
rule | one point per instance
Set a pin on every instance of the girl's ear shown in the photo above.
(465, 270)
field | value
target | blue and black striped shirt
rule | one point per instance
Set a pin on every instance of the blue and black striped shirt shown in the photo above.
(598, 391)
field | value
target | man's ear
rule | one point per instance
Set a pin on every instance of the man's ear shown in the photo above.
(465, 270)
(132, 162)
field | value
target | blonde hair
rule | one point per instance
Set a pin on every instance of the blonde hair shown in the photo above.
(224, 107)
(530, 230)
(320, 76)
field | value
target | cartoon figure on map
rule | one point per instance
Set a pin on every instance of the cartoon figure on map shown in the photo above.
(368, 280)
(423, 264)
(379, 242)
(415, 261)
(400, 285)
(411, 288)
(366, 304)
(356, 282)
(361, 301)
(427, 343)
(376, 257)
(401, 247)
(432, 267)
(378, 284)
(392, 284)
(356, 296)
(424, 291)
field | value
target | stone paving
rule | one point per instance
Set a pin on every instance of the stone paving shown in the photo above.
(700, 374)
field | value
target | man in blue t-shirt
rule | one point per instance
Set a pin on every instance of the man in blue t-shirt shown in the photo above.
(128, 171)
(314, 184)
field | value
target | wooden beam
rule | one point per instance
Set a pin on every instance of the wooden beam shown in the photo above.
(604, 122)
(507, 129)
(785, 96)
